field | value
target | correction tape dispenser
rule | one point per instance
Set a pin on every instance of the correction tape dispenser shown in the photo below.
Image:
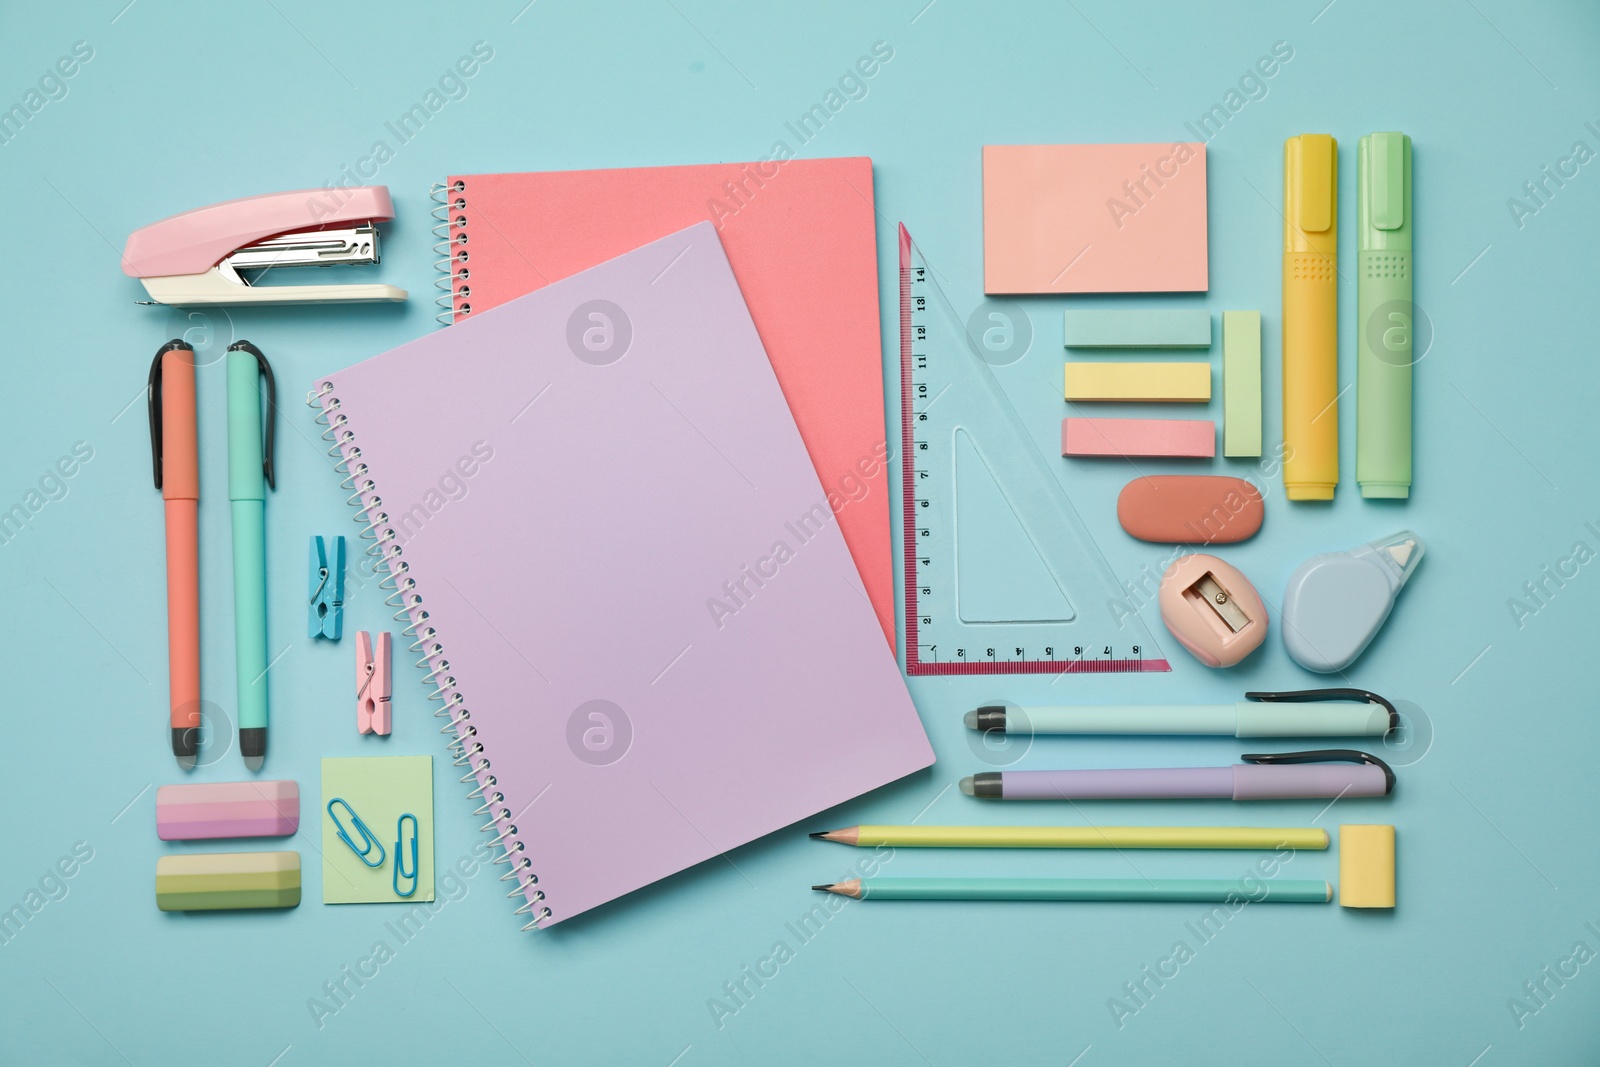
(1337, 602)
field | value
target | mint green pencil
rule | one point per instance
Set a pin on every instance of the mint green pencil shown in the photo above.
(1205, 890)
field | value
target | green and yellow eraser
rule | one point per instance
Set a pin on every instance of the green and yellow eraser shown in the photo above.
(214, 881)
(1366, 866)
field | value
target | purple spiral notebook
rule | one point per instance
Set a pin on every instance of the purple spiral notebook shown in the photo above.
(635, 603)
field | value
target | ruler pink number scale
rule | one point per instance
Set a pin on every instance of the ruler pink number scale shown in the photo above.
(950, 399)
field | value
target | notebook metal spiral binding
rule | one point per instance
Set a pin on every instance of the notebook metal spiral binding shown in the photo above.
(386, 553)
(449, 211)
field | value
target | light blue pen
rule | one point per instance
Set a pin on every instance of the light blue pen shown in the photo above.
(1304, 713)
(249, 475)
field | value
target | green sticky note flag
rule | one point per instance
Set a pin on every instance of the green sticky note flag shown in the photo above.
(378, 789)
(1241, 383)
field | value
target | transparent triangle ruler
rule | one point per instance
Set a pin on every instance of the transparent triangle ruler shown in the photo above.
(979, 501)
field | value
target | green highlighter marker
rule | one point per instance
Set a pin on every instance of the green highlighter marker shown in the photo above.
(249, 475)
(1386, 316)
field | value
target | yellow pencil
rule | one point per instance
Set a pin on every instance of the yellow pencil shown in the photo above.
(1258, 837)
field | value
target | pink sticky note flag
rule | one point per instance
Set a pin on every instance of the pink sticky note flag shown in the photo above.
(1139, 437)
(1094, 218)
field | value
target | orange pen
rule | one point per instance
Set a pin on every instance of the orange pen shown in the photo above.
(175, 451)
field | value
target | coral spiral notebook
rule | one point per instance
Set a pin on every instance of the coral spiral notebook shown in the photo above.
(800, 235)
(638, 612)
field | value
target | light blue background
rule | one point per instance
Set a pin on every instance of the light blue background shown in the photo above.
(184, 104)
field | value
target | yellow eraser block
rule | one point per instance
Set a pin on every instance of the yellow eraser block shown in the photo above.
(1139, 381)
(1366, 866)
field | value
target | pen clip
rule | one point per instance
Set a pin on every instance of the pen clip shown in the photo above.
(1326, 755)
(270, 416)
(1301, 695)
(153, 398)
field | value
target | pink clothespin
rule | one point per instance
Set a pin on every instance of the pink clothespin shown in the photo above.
(373, 683)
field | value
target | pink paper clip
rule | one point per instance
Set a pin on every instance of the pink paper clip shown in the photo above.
(373, 683)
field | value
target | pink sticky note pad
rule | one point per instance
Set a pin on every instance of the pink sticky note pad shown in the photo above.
(1094, 218)
(1139, 437)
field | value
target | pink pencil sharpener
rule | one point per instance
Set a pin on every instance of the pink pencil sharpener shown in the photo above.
(1212, 610)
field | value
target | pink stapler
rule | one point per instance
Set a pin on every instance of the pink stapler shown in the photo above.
(373, 683)
(196, 257)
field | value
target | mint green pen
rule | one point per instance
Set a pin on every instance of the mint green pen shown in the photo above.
(249, 475)
(1301, 713)
(1206, 890)
(1386, 316)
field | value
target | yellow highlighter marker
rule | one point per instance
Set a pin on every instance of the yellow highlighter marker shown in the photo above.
(1310, 317)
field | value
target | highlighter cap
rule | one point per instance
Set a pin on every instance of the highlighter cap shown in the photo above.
(1311, 194)
(1383, 166)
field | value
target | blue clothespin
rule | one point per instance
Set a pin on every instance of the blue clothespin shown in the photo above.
(326, 605)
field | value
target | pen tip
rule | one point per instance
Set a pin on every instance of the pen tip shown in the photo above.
(967, 786)
(254, 762)
(971, 720)
(186, 762)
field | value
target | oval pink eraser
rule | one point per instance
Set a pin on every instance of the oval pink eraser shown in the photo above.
(1200, 509)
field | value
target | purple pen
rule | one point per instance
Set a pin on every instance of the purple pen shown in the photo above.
(1334, 772)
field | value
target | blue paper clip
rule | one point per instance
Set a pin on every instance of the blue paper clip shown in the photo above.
(368, 841)
(326, 605)
(400, 872)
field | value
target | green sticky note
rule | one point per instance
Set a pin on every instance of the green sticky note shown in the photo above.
(379, 789)
(1137, 328)
(1241, 383)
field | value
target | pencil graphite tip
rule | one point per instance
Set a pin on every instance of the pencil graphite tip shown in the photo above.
(821, 835)
(828, 888)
